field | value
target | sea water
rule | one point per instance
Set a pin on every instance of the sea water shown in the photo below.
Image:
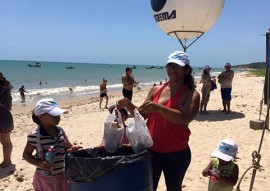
(54, 80)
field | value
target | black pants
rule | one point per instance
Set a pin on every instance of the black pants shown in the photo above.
(127, 94)
(174, 166)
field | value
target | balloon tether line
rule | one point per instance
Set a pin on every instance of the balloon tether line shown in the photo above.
(184, 44)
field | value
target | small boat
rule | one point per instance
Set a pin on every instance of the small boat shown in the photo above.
(160, 67)
(69, 67)
(150, 67)
(37, 64)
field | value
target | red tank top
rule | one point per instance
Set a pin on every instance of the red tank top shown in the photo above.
(167, 136)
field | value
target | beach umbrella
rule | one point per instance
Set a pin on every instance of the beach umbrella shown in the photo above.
(186, 19)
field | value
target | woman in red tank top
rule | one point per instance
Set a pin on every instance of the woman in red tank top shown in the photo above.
(169, 109)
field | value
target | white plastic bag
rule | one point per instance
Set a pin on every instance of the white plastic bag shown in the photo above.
(138, 134)
(113, 135)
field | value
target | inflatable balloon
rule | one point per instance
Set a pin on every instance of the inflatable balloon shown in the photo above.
(186, 19)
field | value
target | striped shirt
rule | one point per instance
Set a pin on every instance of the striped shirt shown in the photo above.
(46, 141)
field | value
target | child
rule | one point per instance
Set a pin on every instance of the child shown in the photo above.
(222, 170)
(124, 115)
(47, 116)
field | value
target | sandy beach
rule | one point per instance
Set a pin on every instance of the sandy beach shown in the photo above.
(84, 126)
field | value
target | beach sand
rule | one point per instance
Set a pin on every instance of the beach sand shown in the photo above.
(84, 126)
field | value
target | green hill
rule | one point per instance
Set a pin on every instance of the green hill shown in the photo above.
(255, 65)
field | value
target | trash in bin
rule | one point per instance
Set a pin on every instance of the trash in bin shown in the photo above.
(97, 169)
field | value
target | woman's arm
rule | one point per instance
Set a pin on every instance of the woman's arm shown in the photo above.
(126, 103)
(190, 108)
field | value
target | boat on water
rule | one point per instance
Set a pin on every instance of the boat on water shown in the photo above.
(69, 67)
(150, 67)
(160, 67)
(37, 64)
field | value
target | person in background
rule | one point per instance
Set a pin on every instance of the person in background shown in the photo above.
(47, 116)
(206, 88)
(103, 93)
(222, 171)
(226, 78)
(6, 120)
(128, 82)
(169, 109)
(22, 91)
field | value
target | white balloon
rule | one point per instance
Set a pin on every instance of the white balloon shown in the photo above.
(186, 18)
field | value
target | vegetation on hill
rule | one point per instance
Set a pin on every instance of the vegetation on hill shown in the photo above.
(258, 72)
(259, 68)
(255, 65)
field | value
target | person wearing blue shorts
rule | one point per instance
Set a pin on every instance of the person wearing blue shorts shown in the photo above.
(225, 78)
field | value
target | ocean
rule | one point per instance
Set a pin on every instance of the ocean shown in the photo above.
(54, 80)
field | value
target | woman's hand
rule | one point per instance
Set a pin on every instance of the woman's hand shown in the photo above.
(149, 106)
(126, 103)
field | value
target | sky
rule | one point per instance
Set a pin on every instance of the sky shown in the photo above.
(125, 32)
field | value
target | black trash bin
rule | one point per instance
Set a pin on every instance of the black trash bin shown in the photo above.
(98, 170)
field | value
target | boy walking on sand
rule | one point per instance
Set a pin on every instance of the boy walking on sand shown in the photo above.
(222, 171)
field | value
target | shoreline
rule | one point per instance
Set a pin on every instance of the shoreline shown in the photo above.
(21, 108)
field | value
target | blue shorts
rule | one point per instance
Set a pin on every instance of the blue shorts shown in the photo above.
(226, 94)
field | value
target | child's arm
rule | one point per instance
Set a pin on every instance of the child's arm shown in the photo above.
(28, 156)
(207, 171)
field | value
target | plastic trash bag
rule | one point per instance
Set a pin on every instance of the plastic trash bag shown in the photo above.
(88, 165)
(113, 134)
(138, 134)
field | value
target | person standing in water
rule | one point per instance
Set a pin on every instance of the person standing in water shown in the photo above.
(22, 91)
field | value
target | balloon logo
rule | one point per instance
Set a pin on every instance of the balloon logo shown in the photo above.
(157, 5)
(186, 19)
